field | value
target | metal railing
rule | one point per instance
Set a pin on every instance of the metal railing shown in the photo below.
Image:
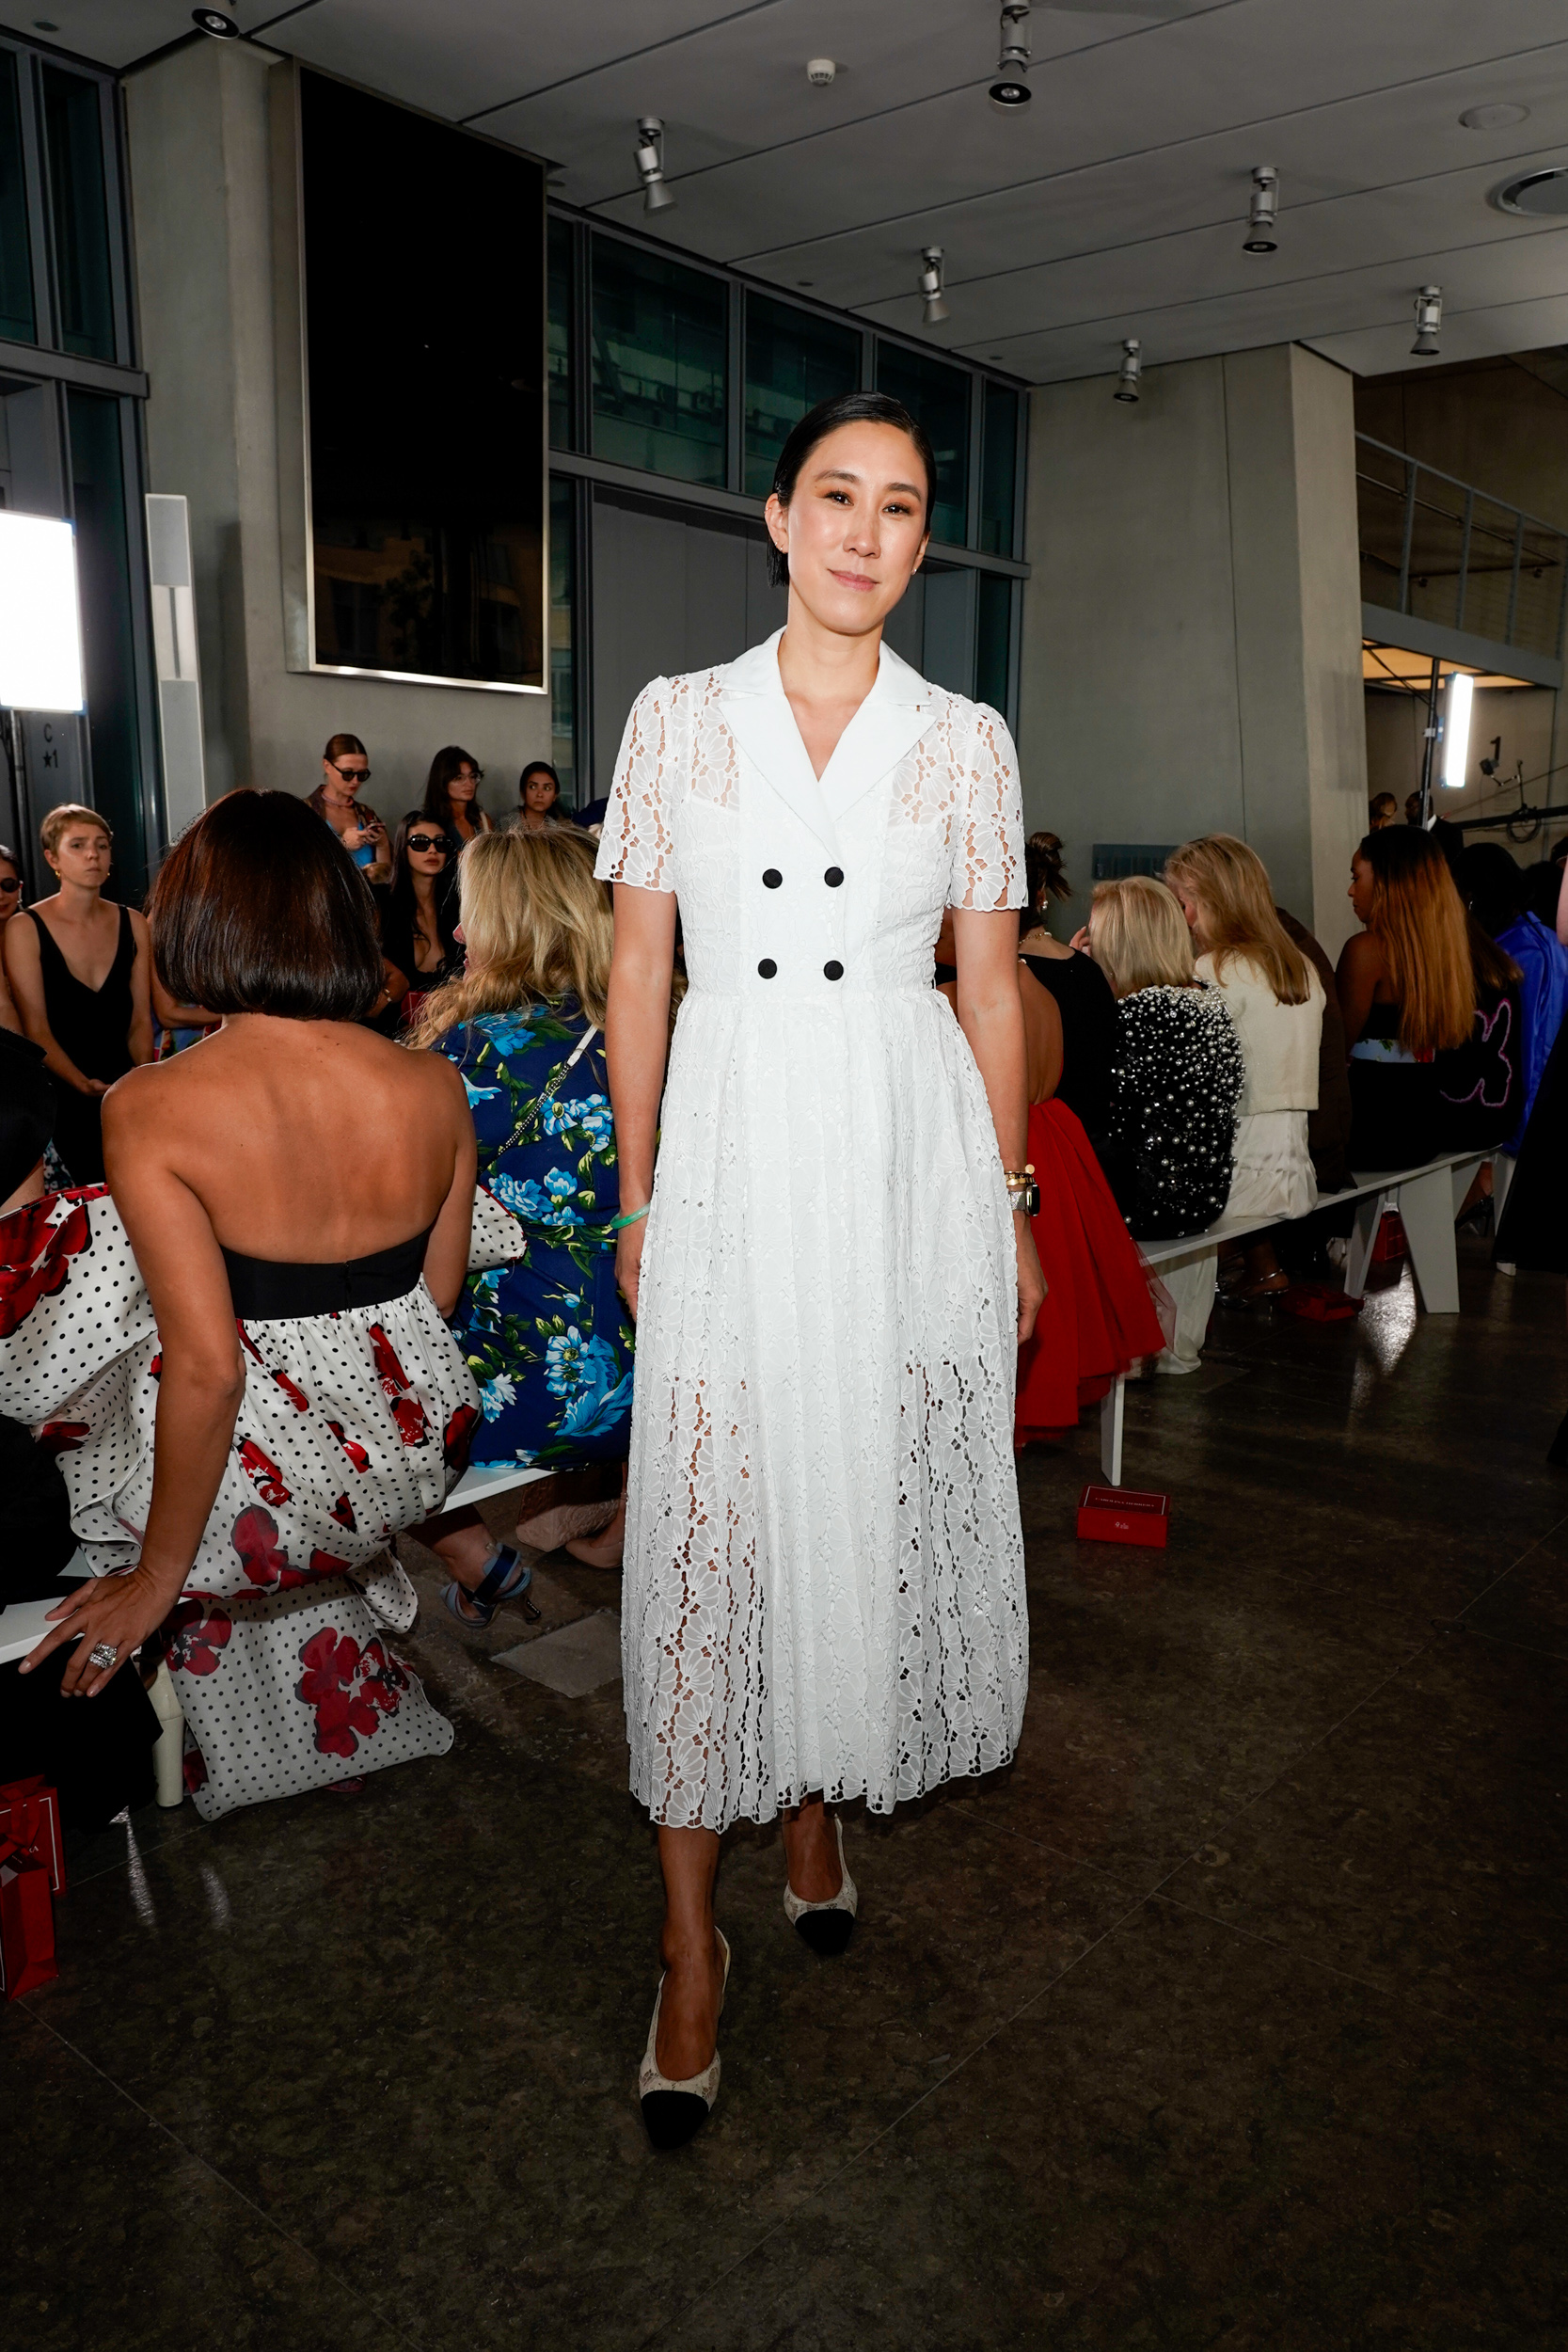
(1441, 550)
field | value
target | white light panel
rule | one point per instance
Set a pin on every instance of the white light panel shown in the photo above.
(41, 619)
(1456, 728)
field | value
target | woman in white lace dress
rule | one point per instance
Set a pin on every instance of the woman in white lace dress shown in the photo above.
(824, 1587)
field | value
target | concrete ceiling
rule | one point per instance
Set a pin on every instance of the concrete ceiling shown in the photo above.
(1114, 206)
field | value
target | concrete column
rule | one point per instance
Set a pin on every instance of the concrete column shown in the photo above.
(211, 160)
(1191, 629)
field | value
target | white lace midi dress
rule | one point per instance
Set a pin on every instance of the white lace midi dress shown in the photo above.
(824, 1574)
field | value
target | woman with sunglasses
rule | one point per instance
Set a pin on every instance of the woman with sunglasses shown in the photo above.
(417, 911)
(345, 766)
(451, 797)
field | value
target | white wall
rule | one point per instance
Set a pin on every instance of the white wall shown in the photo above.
(1191, 655)
(211, 193)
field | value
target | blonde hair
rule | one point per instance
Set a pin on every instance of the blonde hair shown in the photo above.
(1419, 917)
(68, 814)
(1139, 935)
(1232, 885)
(536, 925)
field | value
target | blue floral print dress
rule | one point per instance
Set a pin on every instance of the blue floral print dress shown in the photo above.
(546, 1338)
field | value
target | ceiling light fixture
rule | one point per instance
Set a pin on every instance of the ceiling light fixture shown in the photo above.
(1493, 117)
(1536, 195)
(931, 288)
(1429, 323)
(1131, 370)
(212, 20)
(1010, 93)
(1261, 219)
(820, 71)
(650, 164)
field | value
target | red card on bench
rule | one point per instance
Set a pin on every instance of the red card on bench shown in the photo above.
(1121, 1514)
(26, 1923)
(30, 1813)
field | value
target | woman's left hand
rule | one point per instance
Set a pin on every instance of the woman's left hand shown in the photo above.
(119, 1612)
(1031, 1281)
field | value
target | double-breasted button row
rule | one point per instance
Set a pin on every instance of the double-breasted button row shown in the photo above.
(768, 968)
(773, 878)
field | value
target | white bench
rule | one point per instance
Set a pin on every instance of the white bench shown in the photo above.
(1428, 1199)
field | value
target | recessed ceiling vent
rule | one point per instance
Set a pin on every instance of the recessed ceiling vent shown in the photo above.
(1539, 195)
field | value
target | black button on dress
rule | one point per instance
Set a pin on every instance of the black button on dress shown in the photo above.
(768, 967)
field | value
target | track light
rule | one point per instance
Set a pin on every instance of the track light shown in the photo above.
(212, 20)
(1131, 369)
(931, 286)
(1010, 93)
(1265, 207)
(1428, 322)
(650, 164)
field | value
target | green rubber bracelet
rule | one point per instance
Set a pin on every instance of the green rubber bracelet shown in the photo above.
(616, 1222)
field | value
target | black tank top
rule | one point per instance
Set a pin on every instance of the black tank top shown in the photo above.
(273, 1289)
(92, 1025)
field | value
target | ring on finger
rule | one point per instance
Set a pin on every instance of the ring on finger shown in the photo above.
(104, 1654)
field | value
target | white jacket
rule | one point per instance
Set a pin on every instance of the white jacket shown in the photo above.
(1279, 1043)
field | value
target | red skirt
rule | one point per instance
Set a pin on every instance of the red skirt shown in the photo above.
(1099, 1313)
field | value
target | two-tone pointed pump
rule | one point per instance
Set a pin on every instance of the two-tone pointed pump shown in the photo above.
(675, 2112)
(827, 1927)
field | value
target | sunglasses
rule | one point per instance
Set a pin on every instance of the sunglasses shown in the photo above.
(424, 841)
(350, 775)
(8, 887)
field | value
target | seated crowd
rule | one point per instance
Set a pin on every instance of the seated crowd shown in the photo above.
(243, 1375)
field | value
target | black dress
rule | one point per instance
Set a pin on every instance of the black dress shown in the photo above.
(1463, 1099)
(93, 1026)
(1174, 1085)
(1088, 1013)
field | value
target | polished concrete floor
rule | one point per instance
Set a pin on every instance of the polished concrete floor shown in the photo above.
(1232, 2015)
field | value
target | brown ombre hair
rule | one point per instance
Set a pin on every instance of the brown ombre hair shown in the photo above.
(1418, 920)
(1231, 883)
(259, 908)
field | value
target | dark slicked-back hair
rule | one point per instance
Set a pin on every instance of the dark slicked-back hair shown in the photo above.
(827, 416)
(259, 908)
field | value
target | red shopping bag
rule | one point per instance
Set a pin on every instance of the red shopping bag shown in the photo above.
(30, 1813)
(26, 1922)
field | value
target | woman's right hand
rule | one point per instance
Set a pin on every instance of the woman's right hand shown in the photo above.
(628, 1262)
(91, 1086)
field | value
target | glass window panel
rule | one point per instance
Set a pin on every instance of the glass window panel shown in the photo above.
(793, 360)
(939, 396)
(994, 640)
(74, 123)
(16, 262)
(103, 573)
(423, 309)
(561, 339)
(563, 636)
(658, 364)
(998, 470)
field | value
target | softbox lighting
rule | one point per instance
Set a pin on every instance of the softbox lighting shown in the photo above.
(40, 621)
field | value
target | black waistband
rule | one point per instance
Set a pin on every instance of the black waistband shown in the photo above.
(267, 1290)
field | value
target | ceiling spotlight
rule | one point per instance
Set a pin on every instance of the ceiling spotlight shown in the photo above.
(1493, 117)
(1428, 322)
(1265, 207)
(212, 20)
(1010, 93)
(930, 287)
(1535, 194)
(1131, 369)
(820, 71)
(650, 164)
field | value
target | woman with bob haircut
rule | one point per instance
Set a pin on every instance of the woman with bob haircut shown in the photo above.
(451, 796)
(1276, 1000)
(1431, 1011)
(297, 1193)
(834, 1268)
(547, 1336)
(1174, 1085)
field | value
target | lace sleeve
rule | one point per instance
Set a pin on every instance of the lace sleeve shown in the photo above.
(635, 844)
(988, 847)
